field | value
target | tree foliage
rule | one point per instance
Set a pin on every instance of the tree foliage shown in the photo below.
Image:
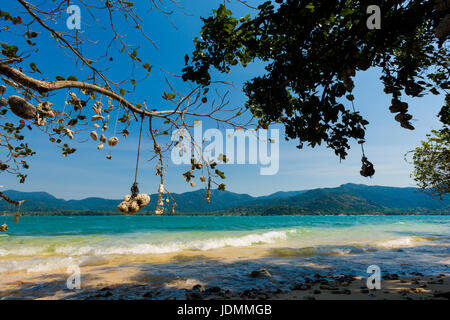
(313, 49)
(432, 159)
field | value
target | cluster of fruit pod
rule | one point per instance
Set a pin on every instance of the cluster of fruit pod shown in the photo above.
(403, 117)
(25, 110)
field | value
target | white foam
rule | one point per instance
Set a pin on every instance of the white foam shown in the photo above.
(37, 265)
(93, 255)
(50, 264)
(397, 243)
(169, 247)
(22, 251)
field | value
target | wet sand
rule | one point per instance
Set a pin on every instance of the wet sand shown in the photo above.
(134, 282)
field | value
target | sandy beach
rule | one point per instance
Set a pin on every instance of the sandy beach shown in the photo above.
(130, 283)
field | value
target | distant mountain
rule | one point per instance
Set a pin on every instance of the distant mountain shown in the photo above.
(281, 195)
(346, 199)
(194, 201)
(351, 198)
(400, 198)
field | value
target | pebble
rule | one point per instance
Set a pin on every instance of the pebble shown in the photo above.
(261, 273)
(198, 287)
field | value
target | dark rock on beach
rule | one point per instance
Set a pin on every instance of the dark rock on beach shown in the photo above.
(261, 273)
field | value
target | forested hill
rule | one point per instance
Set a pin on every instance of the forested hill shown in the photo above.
(347, 198)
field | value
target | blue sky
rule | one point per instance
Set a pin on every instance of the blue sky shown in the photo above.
(87, 173)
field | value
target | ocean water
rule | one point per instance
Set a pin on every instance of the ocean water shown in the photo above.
(224, 250)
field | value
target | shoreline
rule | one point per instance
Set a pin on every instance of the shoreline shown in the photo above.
(211, 276)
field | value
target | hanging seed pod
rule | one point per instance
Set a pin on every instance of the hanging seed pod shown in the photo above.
(401, 117)
(2, 90)
(21, 108)
(192, 184)
(97, 117)
(172, 211)
(349, 84)
(75, 101)
(40, 121)
(159, 211)
(398, 106)
(208, 196)
(161, 188)
(349, 72)
(97, 109)
(96, 125)
(407, 125)
(3, 102)
(367, 169)
(109, 157)
(44, 109)
(131, 205)
(93, 135)
(103, 138)
(202, 179)
(113, 141)
(100, 146)
(4, 227)
(160, 200)
(69, 133)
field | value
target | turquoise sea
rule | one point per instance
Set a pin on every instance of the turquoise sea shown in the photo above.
(226, 248)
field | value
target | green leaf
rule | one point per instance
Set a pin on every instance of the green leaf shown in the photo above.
(220, 173)
(34, 68)
(168, 96)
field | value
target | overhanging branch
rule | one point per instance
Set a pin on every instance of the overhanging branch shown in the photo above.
(46, 86)
(16, 203)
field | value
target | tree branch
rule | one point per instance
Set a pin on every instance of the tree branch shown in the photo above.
(46, 86)
(17, 203)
